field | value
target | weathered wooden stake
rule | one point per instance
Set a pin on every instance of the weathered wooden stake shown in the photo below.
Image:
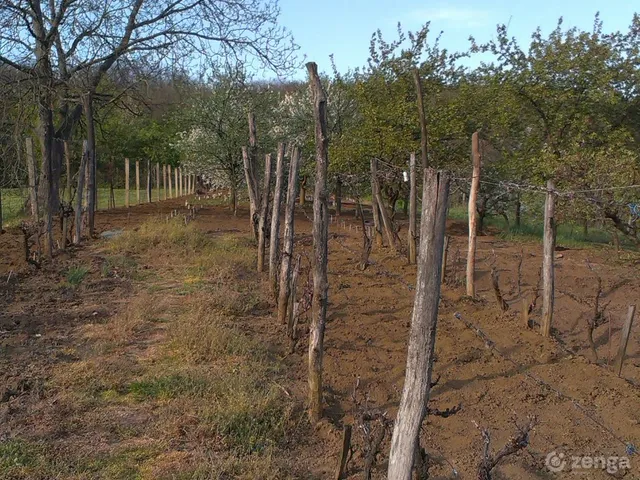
(175, 178)
(33, 180)
(422, 337)
(384, 215)
(445, 253)
(158, 180)
(252, 188)
(320, 247)
(412, 209)
(287, 239)
(624, 339)
(169, 180)
(473, 222)
(344, 452)
(149, 184)
(264, 211)
(274, 239)
(138, 181)
(164, 182)
(126, 183)
(549, 248)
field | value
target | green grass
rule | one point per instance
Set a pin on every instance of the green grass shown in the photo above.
(13, 201)
(76, 274)
(531, 229)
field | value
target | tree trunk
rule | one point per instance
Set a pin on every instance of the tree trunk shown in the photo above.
(320, 248)
(412, 210)
(233, 199)
(79, 192)
(422, 337)
(518, 219)
(549, 248)
(264, 212)
(274, 238)
(287, 239)
(375, 210)
(303, 190)
(176, 185)
(87, 103)
(473, 198)
(423, 119)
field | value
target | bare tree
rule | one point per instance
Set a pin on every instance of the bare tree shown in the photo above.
(66, 47)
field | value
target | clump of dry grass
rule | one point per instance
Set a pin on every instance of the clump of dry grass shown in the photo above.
(201, 335)
(158, 235)
(138, 316)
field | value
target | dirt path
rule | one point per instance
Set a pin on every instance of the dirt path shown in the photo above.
(582, 409)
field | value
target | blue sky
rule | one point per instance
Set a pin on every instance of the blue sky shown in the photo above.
(344, 27)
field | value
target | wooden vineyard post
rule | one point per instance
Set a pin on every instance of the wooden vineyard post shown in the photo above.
(126, 182)
(383, 214)
(33, 182)
(175, 183)
(149, 184)
(445, 252)
(338, 196)
(422, 337)
(138, 181)
(422, 118)
(180, 186)
(549, 248)
(274, 238)
(473, 221)
(264, 212)
(158, 181)
(79, 195)
(169, 181)
(624, 339)
(320, 247)
(287, 238)
(164, 182)
(412, 209)
(249, 160)
(344, 452)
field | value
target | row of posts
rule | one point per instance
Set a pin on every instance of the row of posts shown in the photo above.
(175, 183)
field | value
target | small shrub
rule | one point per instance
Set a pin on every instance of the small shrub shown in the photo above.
(75, 275)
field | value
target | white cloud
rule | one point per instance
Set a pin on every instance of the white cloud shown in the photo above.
(454, 16)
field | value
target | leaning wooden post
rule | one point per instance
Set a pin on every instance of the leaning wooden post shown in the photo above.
(126, 182)
(473, 222)
(344, 452)
(33, 181)
(549, 248)
(422, 337)
(79, 194)
(287, 238)
(264, 212)
(158, 180)
(274, 238)
(624, 339)
(412, 209)
(320, 248)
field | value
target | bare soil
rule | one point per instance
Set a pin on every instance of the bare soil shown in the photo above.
(581, 406)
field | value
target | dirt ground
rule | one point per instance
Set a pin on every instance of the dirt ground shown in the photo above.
(582, 408)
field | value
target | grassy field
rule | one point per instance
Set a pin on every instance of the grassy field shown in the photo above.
(14, 199)
(532, 229)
